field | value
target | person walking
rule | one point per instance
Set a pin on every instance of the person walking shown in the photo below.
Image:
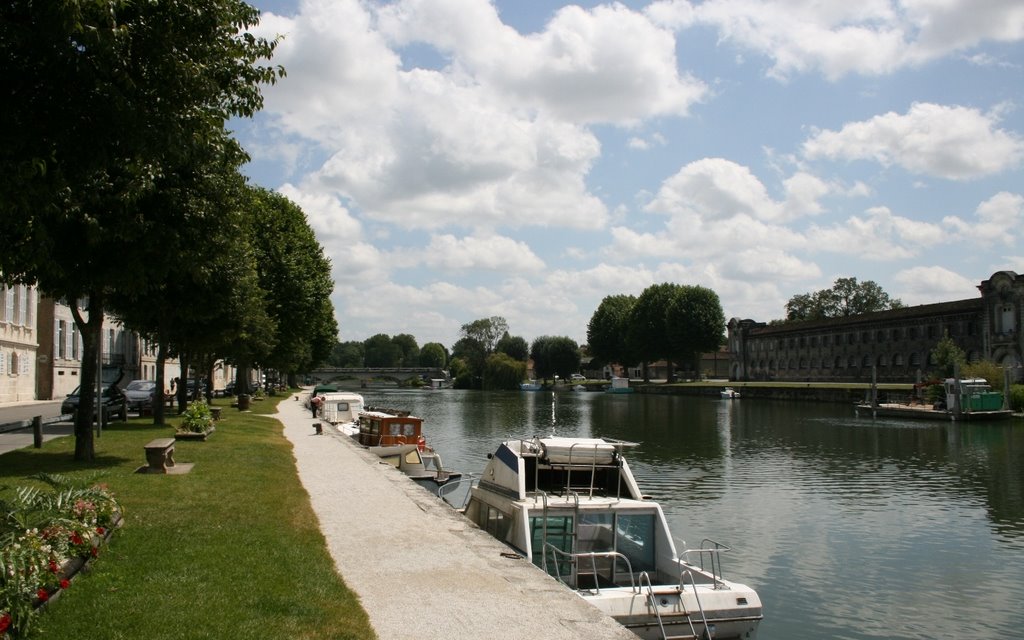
(314, 405)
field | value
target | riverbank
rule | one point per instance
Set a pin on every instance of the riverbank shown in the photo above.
(842, 392)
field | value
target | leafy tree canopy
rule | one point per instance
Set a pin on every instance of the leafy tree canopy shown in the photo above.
(381, 351)
(433, 354)
(410, 350)
(502, 372)
(608, 329)
(846, 297)
(696, 323)
(514, 347)
(555, 355)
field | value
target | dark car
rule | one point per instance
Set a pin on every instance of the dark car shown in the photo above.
(113, 401)
(139, 394)
(229, 388)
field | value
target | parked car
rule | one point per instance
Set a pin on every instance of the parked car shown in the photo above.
(112, 397)
(577, 377)
(139, 394)
(229, 388)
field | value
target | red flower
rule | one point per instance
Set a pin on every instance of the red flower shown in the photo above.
(75, 538)
(53, 566)
(95, 552)
(100, 530)
(5, 622)
(65, 583)
(43, 595)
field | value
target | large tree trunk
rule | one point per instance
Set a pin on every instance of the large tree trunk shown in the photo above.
(182, 391)
(209, 379)
(161, 379)
(242, 376)
(92, 331)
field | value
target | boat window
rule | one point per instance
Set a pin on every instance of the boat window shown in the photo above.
(410, 429)
(559, 535)
(634, 538)
(497, 523)
(342, 406)
(596, 533)
(394, 429)
(413, 457)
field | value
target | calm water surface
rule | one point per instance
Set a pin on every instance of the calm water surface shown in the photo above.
(847, 527)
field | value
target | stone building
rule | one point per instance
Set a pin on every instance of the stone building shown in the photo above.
(897, 343)
(18, 343)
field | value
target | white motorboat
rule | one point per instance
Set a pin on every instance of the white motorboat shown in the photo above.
(573, 508)
(729, 393)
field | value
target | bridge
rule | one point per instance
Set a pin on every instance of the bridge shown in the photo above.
(397, 374)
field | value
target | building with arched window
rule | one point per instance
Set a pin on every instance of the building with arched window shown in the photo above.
(897, 344)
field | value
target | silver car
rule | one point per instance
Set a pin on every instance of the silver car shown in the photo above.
(139, 394)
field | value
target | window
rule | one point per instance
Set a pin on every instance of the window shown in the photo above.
(61, 340)
(3, 363)
(75, 348)
(8, 307)
(13, 370)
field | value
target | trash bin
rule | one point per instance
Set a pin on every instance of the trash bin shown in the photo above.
(243, 402)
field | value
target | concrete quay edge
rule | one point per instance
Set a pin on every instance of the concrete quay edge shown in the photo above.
(440, 577)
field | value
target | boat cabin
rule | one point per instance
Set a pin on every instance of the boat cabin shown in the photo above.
(381, 429)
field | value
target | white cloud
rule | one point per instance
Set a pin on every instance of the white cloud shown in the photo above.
(999, 220)
(957, 143)
(493, 253)
(928, 284)
(870, 37)
(879, 235)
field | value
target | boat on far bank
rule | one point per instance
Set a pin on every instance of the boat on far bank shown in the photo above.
(573, 508)
(729, 393)
(619, 385)
(968, 399)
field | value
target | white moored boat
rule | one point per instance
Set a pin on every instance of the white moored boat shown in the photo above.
(342, 409)
(572, 506)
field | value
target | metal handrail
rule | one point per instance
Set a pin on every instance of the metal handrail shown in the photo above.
(466, 477)
(696, 596)
(574, 559)
(653, 604)
(714, 557)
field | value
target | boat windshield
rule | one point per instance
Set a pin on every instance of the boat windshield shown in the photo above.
(631, 535)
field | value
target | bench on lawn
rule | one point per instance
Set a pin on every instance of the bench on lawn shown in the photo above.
(160, 455)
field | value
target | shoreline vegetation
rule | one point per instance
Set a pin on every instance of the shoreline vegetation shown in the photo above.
(232, 549)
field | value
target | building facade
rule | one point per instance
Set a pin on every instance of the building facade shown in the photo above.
(896, 344)
(18, 343)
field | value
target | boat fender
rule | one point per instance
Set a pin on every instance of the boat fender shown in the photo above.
(421, 443)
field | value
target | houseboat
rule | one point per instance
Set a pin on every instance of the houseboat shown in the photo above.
(397, 437)
(573, 508)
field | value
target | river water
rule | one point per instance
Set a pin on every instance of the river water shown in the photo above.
(847, 527)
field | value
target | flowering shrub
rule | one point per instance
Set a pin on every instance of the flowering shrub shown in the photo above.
(197, 418)
(40, 532)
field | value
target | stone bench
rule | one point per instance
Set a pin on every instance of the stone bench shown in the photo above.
(160, 455)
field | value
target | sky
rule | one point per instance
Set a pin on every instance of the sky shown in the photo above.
(462, 159)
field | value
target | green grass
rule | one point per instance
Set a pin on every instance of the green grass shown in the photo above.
(230, 550)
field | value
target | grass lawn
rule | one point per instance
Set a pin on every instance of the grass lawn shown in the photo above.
(230, 550)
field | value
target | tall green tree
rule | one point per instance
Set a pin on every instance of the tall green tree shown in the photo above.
(103, 97)
(295, 277)
(514, 347)
(347, 354)
(381, 351)
(696, 324)
(648, 333)
(502, 372)
(608, 331)
(947, 357)
(410, 350)
(433, 354)
(479, 339)
(555, 355)
(846, 297)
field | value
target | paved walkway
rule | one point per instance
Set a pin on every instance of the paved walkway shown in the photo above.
(421, 570)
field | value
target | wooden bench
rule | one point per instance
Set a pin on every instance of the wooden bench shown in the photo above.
(160, 455)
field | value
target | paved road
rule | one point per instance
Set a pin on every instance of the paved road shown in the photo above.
(11, 440)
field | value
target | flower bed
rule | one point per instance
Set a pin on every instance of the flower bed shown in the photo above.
(46, 537)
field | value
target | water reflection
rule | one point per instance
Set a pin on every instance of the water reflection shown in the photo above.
(848, 527)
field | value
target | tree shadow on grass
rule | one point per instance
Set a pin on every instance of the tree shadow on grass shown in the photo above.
(19, 464)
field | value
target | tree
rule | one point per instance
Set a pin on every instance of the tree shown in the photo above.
(410, 350)
(555, 355)
(845, 298)
(296, 279)
(381, 351)
(433, 354)
(479, 340)
(107, 95)
(347, 354)
(608, 329)
(947, 356)
(514, 347)
(696, 324)
(648, 331)
(502, 372)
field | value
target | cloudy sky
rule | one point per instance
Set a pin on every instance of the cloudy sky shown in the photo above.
(460, 159)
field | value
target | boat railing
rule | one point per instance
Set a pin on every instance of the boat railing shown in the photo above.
(696, 596)
(448, 488)
(574, 559)
(652, 603)
(583, 462)
(710, 552)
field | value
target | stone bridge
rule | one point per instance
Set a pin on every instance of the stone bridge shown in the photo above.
(398, 374)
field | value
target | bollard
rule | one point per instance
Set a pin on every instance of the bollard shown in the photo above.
(319, 428)
(37, 432)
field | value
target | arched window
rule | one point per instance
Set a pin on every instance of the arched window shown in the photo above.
(897, 360)
(915, 359)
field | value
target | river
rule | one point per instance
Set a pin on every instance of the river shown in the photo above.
(847, 527)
